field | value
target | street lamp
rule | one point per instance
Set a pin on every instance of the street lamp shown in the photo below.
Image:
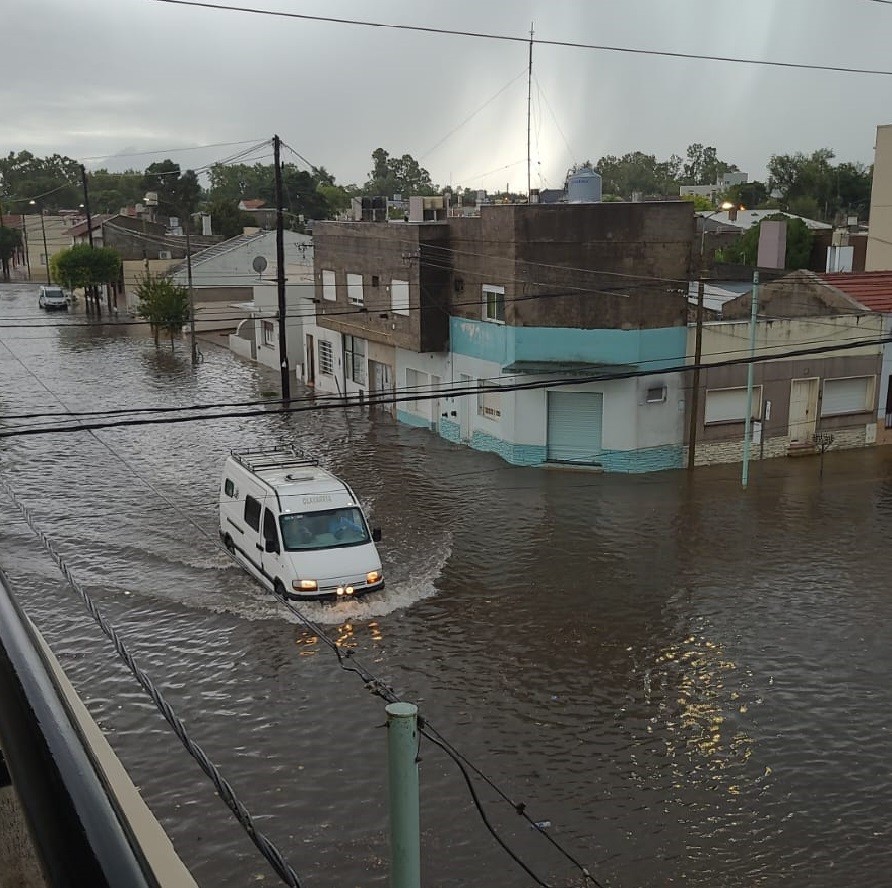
(46, 252)
(698, 340)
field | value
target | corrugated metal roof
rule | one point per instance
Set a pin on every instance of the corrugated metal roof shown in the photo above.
(873, 289)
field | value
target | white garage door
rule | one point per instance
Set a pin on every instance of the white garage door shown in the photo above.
(574, 426)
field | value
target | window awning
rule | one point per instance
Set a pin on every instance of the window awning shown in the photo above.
(568, 368)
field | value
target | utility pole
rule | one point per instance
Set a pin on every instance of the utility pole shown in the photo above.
(191, 291)
(405, 819)
(748, 418)
(695, 379)
(46, 252)
(529, 105)
(280, 272)
(87, 206)
(25, 239)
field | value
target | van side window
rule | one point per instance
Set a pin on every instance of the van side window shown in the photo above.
(252, 512)
(270, 531)
(229, 487)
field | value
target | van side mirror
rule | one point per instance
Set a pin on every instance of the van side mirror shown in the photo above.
(376, 535)
(272, 546)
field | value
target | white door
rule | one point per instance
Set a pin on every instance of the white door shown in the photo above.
(464, 407)
(803, 409)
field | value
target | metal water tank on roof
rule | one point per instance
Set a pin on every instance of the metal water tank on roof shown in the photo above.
(584, 186)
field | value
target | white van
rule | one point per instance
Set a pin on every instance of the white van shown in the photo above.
(295, 527)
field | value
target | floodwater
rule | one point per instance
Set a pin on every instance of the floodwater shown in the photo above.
(689, 681)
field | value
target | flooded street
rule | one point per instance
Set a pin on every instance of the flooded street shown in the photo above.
(688, 681)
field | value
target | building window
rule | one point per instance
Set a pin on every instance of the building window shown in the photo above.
(399, 297)
(851, 394)
(326, 360)
(229, 487)
(268, 329)
(729, 405)
(43, 259)
(494, 304)
(656, 394)
(354, 356)
(354, 289)
(329, 287)
(489, 400)
(376, 281)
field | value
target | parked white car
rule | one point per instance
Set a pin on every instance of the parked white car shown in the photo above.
(52, 298)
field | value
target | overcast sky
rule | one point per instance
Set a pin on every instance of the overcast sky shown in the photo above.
(99, 80)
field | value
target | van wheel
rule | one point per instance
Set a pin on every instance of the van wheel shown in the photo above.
(279, 589)
(230, 546)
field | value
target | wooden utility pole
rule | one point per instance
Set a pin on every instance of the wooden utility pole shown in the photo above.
(87, 205)
(280, 272)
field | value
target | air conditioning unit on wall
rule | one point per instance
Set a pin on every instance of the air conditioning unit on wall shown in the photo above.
(164, 254)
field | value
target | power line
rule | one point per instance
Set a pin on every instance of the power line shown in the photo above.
(566, 44)
(378, 400)
(166, 151)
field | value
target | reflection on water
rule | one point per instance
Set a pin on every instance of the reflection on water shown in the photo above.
(688, 681)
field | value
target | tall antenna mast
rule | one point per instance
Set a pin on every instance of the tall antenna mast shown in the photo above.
(529, 105)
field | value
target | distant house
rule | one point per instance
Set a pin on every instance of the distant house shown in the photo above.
(746, 219)
(80, 232)
(264, 216)
(796, 397)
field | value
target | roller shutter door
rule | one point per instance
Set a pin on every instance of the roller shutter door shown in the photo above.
(574, 426)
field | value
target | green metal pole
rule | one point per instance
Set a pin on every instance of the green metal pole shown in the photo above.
(405, 819)
(748, 419)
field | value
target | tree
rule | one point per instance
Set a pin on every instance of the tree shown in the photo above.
(699, 201)
(179, 192)
(303, 193)
(111, 191)
(163, 304)
(703, 166)
(837, 190)
(10, 241)
(751, 195)
(397, 175)
(799, 243)
(227, 219)
(87, 267)
(56, 177)
(638, 172)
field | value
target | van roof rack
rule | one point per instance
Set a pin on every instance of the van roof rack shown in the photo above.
(272, 458)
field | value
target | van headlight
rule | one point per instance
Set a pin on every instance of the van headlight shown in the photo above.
(304, 585)
(373, 576)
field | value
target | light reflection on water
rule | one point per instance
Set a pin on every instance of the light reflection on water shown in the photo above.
(689, 682)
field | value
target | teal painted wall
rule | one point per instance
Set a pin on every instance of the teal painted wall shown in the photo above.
(655, 349)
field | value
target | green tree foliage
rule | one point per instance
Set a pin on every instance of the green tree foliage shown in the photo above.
(397, 175)
(751, 195)
(303, 194)
(703, 166)
(10, 241)
(227, 219)
(163, 304)
(86, 266)
(109, 192)
(699, 202)
(622, 176)
(799, 244)
(178, 192)
(837, 190)
(26, 176)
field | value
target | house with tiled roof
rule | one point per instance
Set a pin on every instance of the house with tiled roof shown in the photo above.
(264, 216)
(841, 393)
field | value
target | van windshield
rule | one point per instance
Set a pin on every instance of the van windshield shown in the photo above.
(324, 530)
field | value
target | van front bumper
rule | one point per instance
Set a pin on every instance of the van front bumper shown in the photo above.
(332, 593)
